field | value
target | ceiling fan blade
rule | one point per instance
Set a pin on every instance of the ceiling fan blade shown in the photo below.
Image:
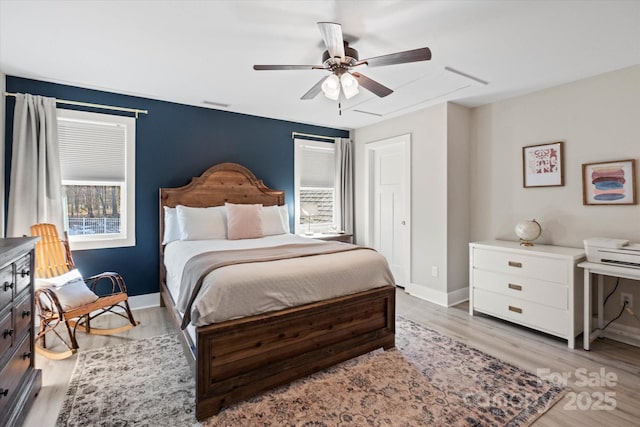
(315, 90)
(415, 55)
(372, 85)
(288, 67)
(332, 36)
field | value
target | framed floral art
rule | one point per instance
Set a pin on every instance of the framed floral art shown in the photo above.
(542, 165)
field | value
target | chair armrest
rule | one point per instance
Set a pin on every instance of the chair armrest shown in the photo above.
(116, 280)
(47, 300)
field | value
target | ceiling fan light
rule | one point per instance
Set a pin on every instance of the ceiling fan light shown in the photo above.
(349, 85)
(332, 94)
(331, 87)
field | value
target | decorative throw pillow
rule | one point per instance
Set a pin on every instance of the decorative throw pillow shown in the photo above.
(244, 221)
(202, 223)
(58, 281)
(272, 222)
(171, 227)
(70, 289)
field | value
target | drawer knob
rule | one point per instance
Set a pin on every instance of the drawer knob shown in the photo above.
(4, 392)
(7, 333)
(7, 286)
(26, 355)
(515, 264)
(515, 309)
(26, 313)
(25, 273)
(515, 287)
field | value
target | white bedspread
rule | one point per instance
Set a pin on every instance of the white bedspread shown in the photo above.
(242, 290)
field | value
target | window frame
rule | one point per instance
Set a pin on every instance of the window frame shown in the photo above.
(126, 238)
(302, 228)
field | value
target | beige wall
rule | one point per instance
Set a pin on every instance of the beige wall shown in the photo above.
(439, 199)
(458, 223)
(599, 120)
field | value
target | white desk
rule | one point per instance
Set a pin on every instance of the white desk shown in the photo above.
(601, 270)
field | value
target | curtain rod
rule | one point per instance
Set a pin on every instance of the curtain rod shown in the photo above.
(294, 134)
(87, 104)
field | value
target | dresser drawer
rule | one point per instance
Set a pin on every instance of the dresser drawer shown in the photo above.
(6, 333)
(22, 314)
(517, 264)
(13, 372)
(23, 274)
(6, 286)
(536, 316)
(546, 293)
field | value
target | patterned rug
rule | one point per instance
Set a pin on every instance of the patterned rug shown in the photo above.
(429, 379)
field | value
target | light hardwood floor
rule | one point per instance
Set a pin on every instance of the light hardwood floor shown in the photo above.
(530, 350)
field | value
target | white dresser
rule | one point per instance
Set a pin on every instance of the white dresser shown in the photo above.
(539, 286)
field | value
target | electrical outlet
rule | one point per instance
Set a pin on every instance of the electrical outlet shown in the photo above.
(434, 271)
(628, 298)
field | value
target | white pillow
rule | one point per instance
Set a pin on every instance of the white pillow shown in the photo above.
(70, 289)
(58, 281)
(202, 223)
(171, 227)
(272, 221)
(284, 213)
(75, 294)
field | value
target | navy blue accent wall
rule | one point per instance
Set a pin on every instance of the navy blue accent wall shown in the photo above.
(174, 143)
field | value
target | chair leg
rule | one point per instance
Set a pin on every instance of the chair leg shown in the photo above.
(72, 335)
(87, 320)
(129, 313)
(42, 329)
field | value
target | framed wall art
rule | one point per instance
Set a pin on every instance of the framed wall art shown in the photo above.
(542, 165)
(609, 183)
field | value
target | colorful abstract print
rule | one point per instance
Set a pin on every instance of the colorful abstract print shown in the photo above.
(608, 182)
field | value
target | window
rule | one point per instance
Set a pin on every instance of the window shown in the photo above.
(314, 186)
(97, 160)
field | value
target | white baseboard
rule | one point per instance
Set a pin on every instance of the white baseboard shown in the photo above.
(144, 301)
(443, 299)
(457, 296)
(427, 294)
(623, 333)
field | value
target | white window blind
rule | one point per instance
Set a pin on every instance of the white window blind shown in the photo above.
(92, 151)
(317, 168)
(314, 170)
(97, 161)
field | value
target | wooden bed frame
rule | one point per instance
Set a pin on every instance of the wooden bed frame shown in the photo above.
(236, 359)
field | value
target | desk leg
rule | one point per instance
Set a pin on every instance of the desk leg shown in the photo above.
(587, 309)
(600, 305)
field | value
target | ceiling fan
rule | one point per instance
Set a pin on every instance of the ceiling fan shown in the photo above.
(340, 58)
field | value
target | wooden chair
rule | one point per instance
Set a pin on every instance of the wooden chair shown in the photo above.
(53, 258)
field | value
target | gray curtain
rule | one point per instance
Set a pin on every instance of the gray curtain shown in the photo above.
(35, 189)
(344, 184)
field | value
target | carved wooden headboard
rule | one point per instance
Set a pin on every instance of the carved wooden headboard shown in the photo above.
(225, 182)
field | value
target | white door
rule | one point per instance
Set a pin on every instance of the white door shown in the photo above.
(389, 166)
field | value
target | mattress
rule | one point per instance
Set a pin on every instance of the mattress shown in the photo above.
(237, 291)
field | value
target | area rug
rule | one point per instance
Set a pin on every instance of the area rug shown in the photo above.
(429, 379)
(143, 383)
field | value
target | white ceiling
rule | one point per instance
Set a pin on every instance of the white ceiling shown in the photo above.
(192, 51)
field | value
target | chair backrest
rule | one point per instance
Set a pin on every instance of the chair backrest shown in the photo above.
(53, 256)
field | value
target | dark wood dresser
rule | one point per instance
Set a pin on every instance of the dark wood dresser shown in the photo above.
(19, 380)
